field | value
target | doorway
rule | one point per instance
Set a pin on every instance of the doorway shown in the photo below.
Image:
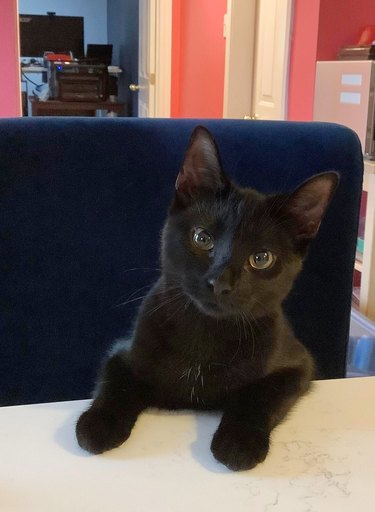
(230, 58)
(125, 13)
(258, 35)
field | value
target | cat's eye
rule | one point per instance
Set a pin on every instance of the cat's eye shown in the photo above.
(262, 260)
(203, 239)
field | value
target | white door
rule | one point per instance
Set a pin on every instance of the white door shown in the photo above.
(272, 59)
(154, 58)
(239, 33)
(257, 59)
(146, 59)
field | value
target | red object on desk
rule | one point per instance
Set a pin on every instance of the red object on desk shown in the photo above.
(367, 36)
(50, 56)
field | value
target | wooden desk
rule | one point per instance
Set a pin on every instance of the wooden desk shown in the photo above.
(74, 108)
(322, 459)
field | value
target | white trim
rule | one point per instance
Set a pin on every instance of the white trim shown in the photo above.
(239, 31)
(151, 9)
(287, 50)
(274, 107)
(242, 24)
(163, 58)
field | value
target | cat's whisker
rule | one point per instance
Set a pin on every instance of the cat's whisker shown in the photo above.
(168, 297)
(252, 334)
(137, 291)
(239, 341)
(149, 269)
(168, 289)
(164, 303)
(244, 326)
(130, 301)
(130, 298)
(177, 310)
(220, 364)
(264, 307)
(184, 374)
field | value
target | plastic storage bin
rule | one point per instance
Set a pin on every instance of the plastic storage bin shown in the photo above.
(361, 348)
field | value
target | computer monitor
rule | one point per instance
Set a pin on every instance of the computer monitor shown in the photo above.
(58, 34)
(100, 53)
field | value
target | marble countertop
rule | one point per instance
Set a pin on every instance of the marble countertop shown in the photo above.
(322, 459)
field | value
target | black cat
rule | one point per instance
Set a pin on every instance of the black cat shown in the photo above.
(211, 334)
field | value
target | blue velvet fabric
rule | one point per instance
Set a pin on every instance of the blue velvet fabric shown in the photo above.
(82, 203)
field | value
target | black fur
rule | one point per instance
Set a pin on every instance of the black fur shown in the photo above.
(211, 334)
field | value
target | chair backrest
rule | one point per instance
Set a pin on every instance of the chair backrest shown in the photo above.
(82, 204)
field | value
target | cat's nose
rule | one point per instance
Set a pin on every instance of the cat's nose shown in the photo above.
(219, 286)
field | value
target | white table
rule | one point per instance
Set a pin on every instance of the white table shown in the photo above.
(322, 460)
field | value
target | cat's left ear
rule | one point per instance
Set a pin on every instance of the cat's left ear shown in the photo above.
(201, 174)
(308, 204)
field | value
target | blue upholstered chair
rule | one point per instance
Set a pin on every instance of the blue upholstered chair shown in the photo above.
(82, 203)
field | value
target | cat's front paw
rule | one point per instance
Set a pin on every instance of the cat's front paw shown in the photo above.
(99, 430)
(238, 448)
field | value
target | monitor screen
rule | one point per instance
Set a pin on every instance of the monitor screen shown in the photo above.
(58, 34)
(101, 53)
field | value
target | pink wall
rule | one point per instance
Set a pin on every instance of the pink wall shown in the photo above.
(10, 102)
(341, 23)
(198, 58)
(176, 58)
(302, 60)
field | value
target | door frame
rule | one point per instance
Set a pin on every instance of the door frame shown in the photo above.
(240, 24)
(241, 27)
(161, 59)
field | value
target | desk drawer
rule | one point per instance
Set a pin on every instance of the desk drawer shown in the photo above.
(82, 88)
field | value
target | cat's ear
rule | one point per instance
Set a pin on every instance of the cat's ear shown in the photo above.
(201, 173)
(308, 203)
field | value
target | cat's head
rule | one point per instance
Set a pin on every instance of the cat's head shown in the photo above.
(233, 250)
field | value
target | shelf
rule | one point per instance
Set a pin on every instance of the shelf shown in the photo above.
(355, 297)
(367, 295)
(369, 168)
(358, 265)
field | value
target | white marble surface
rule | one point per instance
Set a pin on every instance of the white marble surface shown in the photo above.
(322, 459)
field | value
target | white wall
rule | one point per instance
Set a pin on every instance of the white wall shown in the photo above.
(93, 11)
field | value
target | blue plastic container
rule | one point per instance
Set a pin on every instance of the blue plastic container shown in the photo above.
(361, 348)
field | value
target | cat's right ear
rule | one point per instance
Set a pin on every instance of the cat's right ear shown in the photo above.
(308, 203)
(201, 174)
